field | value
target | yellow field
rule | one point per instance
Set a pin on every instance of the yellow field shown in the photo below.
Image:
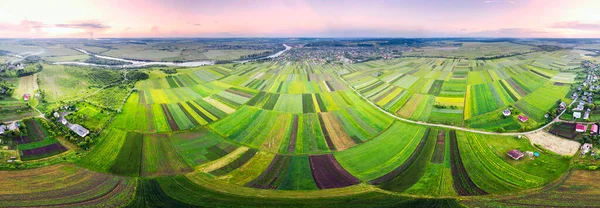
(389, 97)
(448, 101)
(467, 109)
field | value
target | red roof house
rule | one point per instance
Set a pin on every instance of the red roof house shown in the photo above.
(580, 128)
(594, 129)
(523, 118)
(26, 97)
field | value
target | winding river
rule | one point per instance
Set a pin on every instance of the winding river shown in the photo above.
(135, 63)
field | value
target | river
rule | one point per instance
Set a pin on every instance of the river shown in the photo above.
(135, 63)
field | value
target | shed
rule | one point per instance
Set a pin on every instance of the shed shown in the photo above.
(506, 112)
(594, 129)
(515, 154)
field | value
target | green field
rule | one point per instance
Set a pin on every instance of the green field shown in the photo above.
(292, 133)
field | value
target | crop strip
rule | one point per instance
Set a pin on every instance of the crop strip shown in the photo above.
(320, 102)
(169, 117)
(440, 148)
(188, 115)
(256, 99)
(239, 92)
(307, 104)
(142, 97)
(463, 185)
(510, 93)
(294, 135)
(538, 73)
(328, 173)
(402, 168)
(325, 133)
(171, 82)
(235, 164)
(271, 178)
(270, 104)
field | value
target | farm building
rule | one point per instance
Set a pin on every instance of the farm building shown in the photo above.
(585, 148)
(515, 154)
(594, 129)
(580, 128)
(79, 130)
(506, 112)
(576, 115)
(523, 118)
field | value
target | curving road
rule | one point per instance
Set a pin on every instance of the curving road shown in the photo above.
(450, 126)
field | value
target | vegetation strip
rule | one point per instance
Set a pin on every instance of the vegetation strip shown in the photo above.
(463, 185)
(411, 159)
(294, 135)
(328, 173)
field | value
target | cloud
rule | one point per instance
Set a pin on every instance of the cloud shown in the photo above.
(155, 29)
(511, 32)
(90, 27)
(576, 25)
(35, 25)
(84, 25)
(499, 1)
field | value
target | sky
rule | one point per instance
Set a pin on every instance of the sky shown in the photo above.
(299, 18)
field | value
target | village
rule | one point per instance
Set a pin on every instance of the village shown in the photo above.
(36, 137)
(574, 121)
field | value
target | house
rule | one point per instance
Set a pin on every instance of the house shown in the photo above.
(13, 126)
(580, 128)
(523, 118)
(563, 105)
(515, 154)
(506, 112)
(2, 129)
(26, 97)
(586, 115)
(579, 107)
(585, 148)
(594, 129)
(79, 130)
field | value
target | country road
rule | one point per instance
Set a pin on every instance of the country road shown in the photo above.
(450, 126)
